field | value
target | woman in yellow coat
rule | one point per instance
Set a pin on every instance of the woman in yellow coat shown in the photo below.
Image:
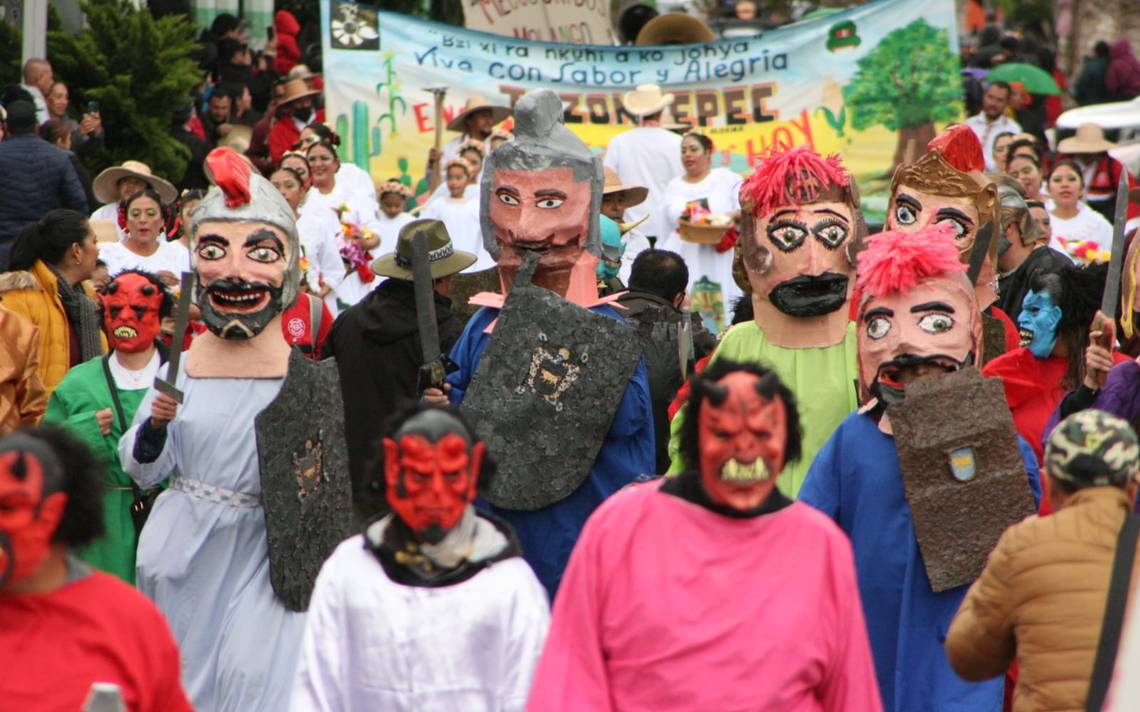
(49, 262)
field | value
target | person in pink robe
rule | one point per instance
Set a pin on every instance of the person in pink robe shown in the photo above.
(712, 590)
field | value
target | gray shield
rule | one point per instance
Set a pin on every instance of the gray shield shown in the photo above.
(545, 392)
(305, 487)
(962, 471)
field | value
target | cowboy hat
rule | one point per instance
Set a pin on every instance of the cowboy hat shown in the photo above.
(445, 260)
(106, 185)
(674, 28)
(632, 194)
(1088, 139)
(477, 103)
(294, 90)
(645, 100)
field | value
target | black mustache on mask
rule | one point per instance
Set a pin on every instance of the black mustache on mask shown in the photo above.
(810, 295)
(889, 390)
(233, 324)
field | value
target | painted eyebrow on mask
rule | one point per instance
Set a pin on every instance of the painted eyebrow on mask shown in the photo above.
(878, 311)
(953, 213)
(932, 306)
(261, 235)
(909, 201)
(213, 238)
(549, 193)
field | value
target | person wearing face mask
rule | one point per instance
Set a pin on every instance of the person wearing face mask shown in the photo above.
(435, 572)
(51, 261)
(1054, 323)
(763, 610)
(98, 398)
(295, 110)
(66, 626)
(256, 430)
(146, 247)
(919, 329)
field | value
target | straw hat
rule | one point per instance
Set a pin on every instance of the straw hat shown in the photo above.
(105, 230)
(1088, 139)
(294, 90)
(478, 103)
(646, 100)
(632, 194)
(674, 28)
(444, 258)
(106, 185)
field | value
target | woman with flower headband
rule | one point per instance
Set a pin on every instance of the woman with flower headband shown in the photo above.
(330, 194)
(473, 152)
(354, 178)
(318, 238)
(714, 192)
(459, 212)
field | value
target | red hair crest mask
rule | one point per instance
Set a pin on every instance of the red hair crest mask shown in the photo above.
(30, 505)
(431, 466)
(131, 306)
(918, 314)
(742, 433)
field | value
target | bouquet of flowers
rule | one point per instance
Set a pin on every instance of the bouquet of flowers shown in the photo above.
(355, 257)
(1085, 252)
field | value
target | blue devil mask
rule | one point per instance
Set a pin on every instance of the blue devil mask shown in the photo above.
(612, 248)
(1038, 322)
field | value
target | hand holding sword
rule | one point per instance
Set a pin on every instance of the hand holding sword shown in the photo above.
(1102, 333)
(165, 404)
(436, 365)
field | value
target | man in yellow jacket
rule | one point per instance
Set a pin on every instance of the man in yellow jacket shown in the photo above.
(1041, 598)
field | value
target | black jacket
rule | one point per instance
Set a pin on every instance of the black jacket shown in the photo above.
(377, 349)
(659, 320)
(35, 177)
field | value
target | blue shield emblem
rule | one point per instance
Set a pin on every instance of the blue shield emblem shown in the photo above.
(962, 464)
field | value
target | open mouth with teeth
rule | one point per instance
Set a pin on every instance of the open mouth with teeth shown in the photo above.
(1026, 336)
(125, 332)
(738, 473)
(239, 301)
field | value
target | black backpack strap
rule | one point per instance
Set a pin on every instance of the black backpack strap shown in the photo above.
(1110, 630)
(114, 392)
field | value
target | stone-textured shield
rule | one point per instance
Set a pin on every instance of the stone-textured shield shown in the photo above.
(465, 286)
(993, 338)
(305, 487)
(545, 392)
(962, 471)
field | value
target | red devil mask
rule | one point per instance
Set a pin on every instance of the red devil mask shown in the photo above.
(431, 466)
(30, 508)
(743, 432)
(131, 305)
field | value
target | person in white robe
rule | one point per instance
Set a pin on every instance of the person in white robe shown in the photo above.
(432, 607)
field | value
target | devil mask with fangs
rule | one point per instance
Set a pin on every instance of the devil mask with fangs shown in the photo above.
(742, 429)
(245, 250)
(918, 313)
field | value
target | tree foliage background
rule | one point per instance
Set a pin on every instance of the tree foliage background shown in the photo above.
(140, 70)
(906, 84)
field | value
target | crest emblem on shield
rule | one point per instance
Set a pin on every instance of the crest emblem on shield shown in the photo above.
(963, 465)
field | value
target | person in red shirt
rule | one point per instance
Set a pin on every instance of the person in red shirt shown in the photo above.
(296, 109)
(65, 627)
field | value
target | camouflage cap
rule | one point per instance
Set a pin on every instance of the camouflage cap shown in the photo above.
(1093, 448)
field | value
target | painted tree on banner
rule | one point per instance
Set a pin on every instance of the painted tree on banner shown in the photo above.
(907, 84)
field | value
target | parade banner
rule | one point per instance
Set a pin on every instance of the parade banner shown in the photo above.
(566, 21)
(870, 83)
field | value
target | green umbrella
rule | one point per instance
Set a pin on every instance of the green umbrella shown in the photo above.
(1035, 79)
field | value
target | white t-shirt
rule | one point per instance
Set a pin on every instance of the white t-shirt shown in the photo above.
(356, 180)
(721, 188)
(390, 230)
(318, 232)
(361, 211)
(471, 191)
(648, 156)
(169, 257)
(1087, 225)
(461, 218)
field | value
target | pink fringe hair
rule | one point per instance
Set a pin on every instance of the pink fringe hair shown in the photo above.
(894, 262)
(790, 176)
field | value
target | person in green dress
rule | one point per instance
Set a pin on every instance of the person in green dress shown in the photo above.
(97, 400)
